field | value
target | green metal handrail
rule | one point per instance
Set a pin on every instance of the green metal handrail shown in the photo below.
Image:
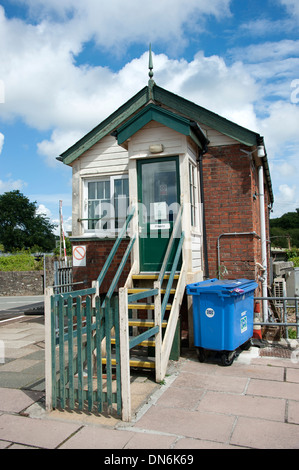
(142, 295)
(143, 336)
(114, 249)
(119, 270)
(170, 246)
(171, 276)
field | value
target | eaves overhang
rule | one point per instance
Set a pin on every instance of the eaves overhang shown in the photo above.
(167, 118)
(106, 127)
(191, 116)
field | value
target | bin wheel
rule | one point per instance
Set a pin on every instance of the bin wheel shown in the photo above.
(245, 346)
(201, 354)
(227, 358)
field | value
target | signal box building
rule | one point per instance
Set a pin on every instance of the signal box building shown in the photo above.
(167, 157)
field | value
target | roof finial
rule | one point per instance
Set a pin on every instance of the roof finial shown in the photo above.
(150, 66)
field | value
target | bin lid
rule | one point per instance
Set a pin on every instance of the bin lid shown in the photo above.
(225, 287)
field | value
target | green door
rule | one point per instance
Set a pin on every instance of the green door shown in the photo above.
(159, 197)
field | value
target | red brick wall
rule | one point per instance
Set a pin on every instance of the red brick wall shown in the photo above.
(97, 251)
(232, 205)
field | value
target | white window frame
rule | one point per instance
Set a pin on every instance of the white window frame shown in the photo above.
(193, 194)
(98, 230)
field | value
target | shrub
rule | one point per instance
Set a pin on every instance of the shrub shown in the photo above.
(22, 261)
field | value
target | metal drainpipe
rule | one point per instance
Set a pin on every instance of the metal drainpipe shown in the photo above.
(205, 249)
(231, 234)
(263, 241)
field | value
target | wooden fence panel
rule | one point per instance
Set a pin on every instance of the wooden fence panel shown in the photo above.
(83, 375)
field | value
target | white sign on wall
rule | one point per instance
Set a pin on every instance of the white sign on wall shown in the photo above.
(79, 255)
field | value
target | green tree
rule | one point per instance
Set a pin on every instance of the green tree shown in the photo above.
(21, 227)
(68, 248)
(285, 229)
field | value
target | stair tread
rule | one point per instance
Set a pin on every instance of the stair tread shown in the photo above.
(136, 290)
(146, 362)
(152, 276)
(142, 306)
(147, 342)
(135, 361)
(143, 322)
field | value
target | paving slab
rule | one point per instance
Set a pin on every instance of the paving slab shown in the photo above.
(293, 412)
(176, 397)
(209, 426)
(146, 440)
(14, 401)
(20, 365)
(244, 405)
(188, 443)
(262, 434)
(269, 388)
(276, 362)
(210, 382)
(97, 437)
(292, 375)
(44, 434)
(22, 380)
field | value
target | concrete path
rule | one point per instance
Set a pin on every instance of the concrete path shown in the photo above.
(254, 403)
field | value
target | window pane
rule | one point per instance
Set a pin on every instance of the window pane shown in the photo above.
(99, 203)
(100, 190)
(91, 190)
(107, 189)
(121, 200)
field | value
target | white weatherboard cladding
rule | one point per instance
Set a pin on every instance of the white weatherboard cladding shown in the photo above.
(154, 133)
(104, 158)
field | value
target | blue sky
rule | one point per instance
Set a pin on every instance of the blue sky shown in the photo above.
(65, 65)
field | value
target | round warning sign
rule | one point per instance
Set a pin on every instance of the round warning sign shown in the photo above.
(79, 255)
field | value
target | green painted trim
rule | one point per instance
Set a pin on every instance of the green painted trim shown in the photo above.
(140, 163)
(169, 99)
(155, 113)
(105, 127)
(204, 116)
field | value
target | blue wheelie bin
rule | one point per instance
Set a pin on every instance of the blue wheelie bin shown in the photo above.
(222, 316)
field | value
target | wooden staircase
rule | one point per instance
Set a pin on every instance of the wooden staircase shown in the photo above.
(141, 317)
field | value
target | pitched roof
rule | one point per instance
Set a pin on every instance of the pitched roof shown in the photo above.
(123, 116)
(152, 112)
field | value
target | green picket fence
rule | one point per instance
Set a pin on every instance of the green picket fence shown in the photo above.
(85, 352)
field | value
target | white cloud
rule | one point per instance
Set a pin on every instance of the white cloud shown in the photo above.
(111, 24)
(261, 27)
(1, 142)
(281, 128)
(292, 7)
(49, 91)
(2, 92)
(43, 210)
(67, 221)
(11, 185)
(60, 141)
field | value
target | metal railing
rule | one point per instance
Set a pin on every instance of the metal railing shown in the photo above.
(121, 235)
(279, 309)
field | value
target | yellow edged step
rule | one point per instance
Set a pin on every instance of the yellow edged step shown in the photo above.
(152, 276)
(137, 290)
(146, 363)
(145, 306)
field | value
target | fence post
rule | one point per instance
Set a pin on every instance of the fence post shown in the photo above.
(94, 285)
(124, 354)
(48, 347)
(158, 336)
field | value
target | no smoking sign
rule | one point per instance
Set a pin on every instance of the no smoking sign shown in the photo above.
(79, 255)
